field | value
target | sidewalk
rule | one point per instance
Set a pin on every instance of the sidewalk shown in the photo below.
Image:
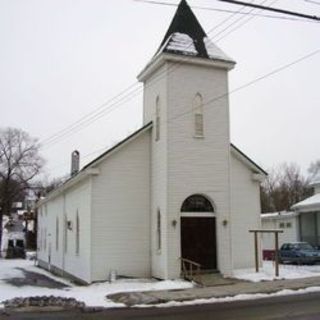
(237, 288)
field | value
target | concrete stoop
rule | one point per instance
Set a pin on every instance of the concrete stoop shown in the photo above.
(218, 291)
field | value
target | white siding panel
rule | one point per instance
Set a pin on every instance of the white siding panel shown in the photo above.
(156, 86)
(290, 234)
(76, 198)
(245, 204)
(198, 165)
(121, 212)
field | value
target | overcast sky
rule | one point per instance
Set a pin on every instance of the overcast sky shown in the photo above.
(61, 59)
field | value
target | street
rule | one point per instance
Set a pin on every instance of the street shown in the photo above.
(306, 307)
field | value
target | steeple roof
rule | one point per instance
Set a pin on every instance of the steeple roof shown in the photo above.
(185, 36)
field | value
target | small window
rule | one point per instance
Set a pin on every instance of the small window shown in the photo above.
(198, 116)
(281, 225)
(288, 225)
(77, 234)
(158, 118)
(158, 230)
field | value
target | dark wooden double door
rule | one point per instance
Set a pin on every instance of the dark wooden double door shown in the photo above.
(198, 241)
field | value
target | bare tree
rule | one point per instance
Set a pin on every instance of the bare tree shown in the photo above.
(284, 187)
(20, 162)
(45, 185)
(314, 169)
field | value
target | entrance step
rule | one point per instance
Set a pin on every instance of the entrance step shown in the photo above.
(212, 279)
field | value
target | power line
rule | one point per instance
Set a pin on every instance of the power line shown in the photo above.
(242, 23)
(227, 11)
(179, 63)
(104, 108)
(239, 88)
(313, 1)
(250, 83)
(278, 10)
(238, 20)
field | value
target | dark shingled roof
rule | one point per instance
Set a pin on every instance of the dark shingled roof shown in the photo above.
(185, 36)
(186, 22)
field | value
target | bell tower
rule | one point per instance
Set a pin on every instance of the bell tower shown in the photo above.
(186, 98)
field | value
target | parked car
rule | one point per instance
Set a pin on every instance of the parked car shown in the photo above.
(298, 252)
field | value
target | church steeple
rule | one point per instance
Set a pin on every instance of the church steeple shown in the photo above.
(185, 36)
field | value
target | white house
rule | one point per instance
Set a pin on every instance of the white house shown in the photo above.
(174, 189)
(309, 211)
(287, 221)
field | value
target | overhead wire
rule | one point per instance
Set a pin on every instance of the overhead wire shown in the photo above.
(105, 108)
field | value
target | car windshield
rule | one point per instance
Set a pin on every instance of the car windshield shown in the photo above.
(303, 246)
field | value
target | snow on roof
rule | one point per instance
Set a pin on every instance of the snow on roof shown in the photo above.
(279, 215)
(309, 204)
(316, 180)
(182, 43)
(185, 36)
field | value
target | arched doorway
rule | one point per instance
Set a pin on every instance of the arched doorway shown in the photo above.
(198, 231)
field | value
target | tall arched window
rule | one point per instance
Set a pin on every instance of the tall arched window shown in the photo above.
(198, 115)
(57, 233)
(158, 118)
(197, 203)
(77, 234)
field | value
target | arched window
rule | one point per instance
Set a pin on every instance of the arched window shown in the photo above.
(198, 115)
(158, 230)
(197, 203)
(157, 118)
(77, 234)
(57, 234)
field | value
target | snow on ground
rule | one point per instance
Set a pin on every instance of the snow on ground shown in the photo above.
(286, 271)
(239, 297)
(92, 295)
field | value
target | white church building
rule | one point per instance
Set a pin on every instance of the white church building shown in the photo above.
(176, 188)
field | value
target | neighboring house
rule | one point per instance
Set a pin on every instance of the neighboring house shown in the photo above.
(176, 188)
(287, 221)
(309, 210)
(13, 235)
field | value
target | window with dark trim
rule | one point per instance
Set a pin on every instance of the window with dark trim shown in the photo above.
(197, 203)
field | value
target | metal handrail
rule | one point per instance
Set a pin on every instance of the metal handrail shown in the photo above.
(192, 271)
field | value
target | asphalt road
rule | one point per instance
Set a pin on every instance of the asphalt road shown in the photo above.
(306, 307)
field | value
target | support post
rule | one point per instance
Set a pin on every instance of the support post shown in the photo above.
(276, 258)
(256, 252)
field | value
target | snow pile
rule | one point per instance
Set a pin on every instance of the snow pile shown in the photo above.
(92, 295)
(267, 272)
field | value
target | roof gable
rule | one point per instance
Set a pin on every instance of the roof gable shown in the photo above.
(246, 160)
